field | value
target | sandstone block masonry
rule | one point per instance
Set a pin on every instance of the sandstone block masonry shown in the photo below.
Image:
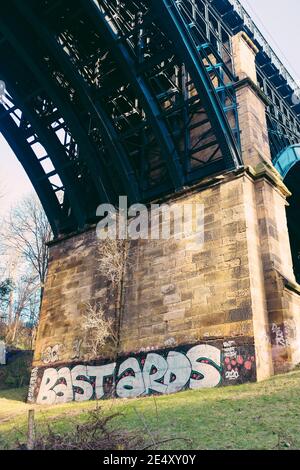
(225, 313)
(231, 300)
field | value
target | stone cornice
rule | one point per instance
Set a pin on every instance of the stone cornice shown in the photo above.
(247, 82)
(266, 170)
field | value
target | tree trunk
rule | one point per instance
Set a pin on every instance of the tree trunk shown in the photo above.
(15, 329)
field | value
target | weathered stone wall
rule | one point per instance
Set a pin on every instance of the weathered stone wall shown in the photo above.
(224, 313)
(227, 294)
(177, 296)
(173, 297)
(72, 282)
(282, 303)
(284, 322)
(251, 103)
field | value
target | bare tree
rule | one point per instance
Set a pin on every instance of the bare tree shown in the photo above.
(100, 331)
(25, 305)
(6, 284)
(113, 259)
(27, 231)
(24, 237)
(111, 256)
(6, 287)
(19, 307)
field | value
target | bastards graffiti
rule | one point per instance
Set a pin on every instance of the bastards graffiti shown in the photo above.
(160, 372)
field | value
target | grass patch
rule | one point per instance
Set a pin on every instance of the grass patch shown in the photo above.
(250, 416)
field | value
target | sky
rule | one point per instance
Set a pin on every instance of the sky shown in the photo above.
(278, 20)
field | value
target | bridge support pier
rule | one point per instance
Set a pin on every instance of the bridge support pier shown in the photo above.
(251, 103)
(281, 289)
(227, 308)
(225, 313)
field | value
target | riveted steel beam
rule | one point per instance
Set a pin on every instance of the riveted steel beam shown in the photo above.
(108, 132)
(172, 22)
(18, 143)
(123, 58)
(48, 139)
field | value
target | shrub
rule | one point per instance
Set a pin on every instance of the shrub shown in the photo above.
(95, 434)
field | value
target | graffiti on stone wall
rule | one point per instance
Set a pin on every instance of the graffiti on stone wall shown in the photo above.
(283, 335)
(161, 372)
(52, 354)
(32, 384)
(236, 364)
(76, 348)
(278, 335)
(213, 334)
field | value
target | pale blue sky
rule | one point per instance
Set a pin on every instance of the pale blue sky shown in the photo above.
(277, 19)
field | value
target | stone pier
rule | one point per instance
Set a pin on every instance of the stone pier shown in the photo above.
(223, 314)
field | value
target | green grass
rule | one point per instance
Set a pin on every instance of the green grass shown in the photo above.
(250, 416)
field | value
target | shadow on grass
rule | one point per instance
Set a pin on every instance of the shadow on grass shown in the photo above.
(14, 394)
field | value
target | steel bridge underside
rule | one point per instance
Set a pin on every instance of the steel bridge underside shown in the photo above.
(107, 98)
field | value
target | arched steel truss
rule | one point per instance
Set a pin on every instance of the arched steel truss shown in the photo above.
(114, 97)
(286, 159)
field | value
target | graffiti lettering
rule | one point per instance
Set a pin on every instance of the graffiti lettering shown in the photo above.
(76, 348)
(200, 367)
(231, 374)
(237, 364)
(52, 354)
(131, 383)
(230, 349)
(278, 335)
(206, 366)
(100, 373)
(32, 384)
(145, 373)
